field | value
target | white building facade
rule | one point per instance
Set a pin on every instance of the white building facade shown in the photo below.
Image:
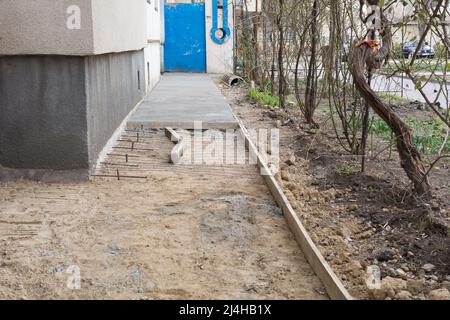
(70, 73)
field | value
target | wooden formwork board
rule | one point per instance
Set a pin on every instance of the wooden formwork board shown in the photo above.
(332, 283)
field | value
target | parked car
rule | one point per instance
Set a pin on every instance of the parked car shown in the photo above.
(409, 48)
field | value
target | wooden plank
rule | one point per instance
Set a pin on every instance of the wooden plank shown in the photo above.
(332, 283)
(173, 135)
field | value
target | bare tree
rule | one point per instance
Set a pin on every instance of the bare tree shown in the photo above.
(311, 79)
(364, 58)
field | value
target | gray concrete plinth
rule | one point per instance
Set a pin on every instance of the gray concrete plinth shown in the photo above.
(58, 112)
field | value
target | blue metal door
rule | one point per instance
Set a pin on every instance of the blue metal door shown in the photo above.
(185, 33)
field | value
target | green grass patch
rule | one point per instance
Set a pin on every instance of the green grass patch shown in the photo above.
(428, 135)
(263, 99)
(346, 169)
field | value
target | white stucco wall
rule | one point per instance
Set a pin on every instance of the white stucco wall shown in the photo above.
(152, 51)
(40, 27)
(219, 57)
(119, 25)
(152, 65)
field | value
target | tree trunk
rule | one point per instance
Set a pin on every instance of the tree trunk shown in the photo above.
(256, 68)
(281, 80)
(366, 124)
(362, 58)
(272, 71)
(311, 79)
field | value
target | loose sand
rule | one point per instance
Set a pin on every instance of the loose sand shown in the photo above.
(184, 232)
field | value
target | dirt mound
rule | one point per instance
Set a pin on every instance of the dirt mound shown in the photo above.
(361, 222)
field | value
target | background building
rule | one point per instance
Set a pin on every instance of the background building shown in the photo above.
(411, 29)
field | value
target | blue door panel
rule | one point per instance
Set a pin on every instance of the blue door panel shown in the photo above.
(185, 33)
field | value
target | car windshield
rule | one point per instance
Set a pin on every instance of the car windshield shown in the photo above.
(410, 44)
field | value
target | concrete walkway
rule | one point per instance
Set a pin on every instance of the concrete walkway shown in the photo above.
(181, 99)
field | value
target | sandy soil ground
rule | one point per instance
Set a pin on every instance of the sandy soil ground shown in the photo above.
(180, 233)
(359, 220)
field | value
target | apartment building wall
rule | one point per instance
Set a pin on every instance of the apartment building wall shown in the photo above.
(114, 85)
(219, 57)
(40, 27)
(119, 25)
(410, 29)
(152, 51)
(43, 112)
(50, 27)
(64, 92)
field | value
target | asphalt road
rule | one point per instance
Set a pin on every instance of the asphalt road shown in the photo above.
(405, 87)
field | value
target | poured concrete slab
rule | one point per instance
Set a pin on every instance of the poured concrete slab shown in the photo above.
(180, 100)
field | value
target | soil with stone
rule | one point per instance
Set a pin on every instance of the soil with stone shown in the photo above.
(360, 222)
